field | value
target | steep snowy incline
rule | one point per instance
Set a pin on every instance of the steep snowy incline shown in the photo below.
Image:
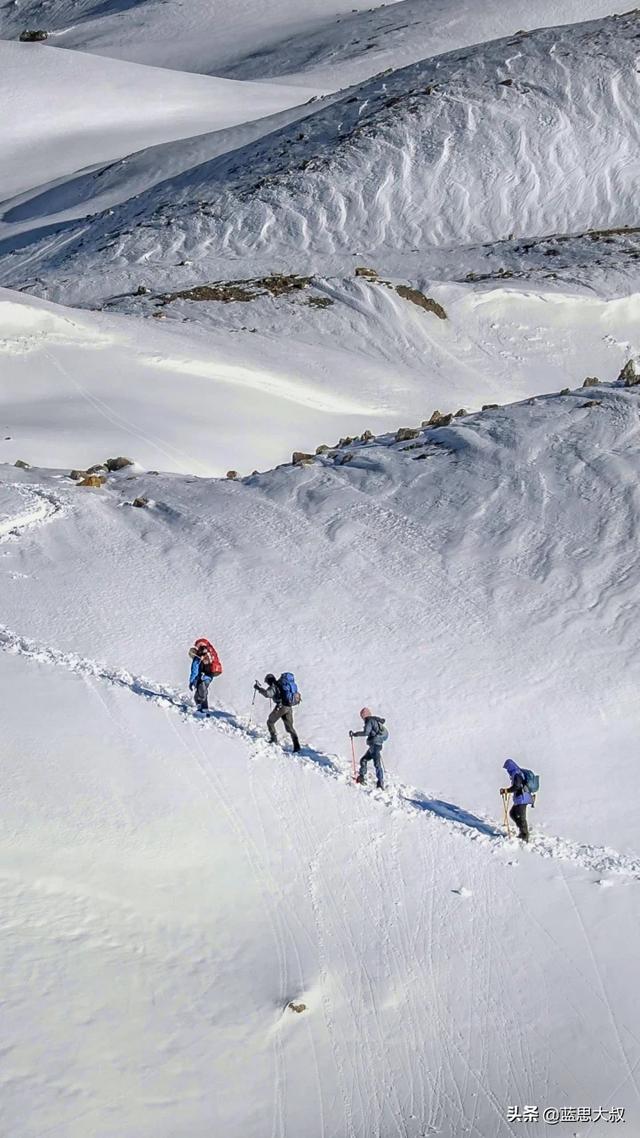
(203, 934)
(65, 111)
(481, 586)
(528, 136)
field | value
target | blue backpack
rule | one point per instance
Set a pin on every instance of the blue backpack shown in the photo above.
(289, 689)
(532, 780)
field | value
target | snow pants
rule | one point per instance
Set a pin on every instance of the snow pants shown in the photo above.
(375, 753)
(284, 713)
(201, 693)
(519, 815)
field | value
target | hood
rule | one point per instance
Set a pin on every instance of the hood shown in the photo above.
(512, 767)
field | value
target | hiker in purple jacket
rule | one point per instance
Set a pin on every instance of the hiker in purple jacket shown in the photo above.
(521, 798)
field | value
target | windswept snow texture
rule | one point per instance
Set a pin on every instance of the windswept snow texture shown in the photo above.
(172, 885)
(524, 137)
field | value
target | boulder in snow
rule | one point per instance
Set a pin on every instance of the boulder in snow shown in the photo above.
(22, 465)
(36, 35)
(118, 463)
(628, 375)
(403, 434)
(300, 458)
(591, 381)
(94, 481)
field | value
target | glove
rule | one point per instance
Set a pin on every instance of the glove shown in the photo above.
(351, 734)
(191, 687)
(256, 686)
(503, 791)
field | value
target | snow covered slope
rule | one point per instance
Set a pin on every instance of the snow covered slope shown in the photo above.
(523, 137)
(79, 387)
(171, 886)
(65, 111)
(329, 42)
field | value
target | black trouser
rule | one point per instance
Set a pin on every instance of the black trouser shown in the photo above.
(519, 816)
(285, 713)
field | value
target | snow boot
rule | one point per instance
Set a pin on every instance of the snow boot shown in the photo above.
(361, 781)
(380, 785)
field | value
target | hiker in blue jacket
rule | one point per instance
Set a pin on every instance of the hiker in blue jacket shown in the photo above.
(282, 709)
(375, 732)
(521, 798)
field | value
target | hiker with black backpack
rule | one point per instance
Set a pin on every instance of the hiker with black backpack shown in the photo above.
(376, 734)
(285, 695)
(205, 664)
(524, 784)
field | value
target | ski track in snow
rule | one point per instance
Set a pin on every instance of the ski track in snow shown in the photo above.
(43, 506)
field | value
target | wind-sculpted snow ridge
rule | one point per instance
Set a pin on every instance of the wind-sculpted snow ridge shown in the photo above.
(536, 134)
(407, 799)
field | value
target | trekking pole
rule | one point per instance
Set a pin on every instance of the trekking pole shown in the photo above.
(506, 815)
(353, 759)
(252, 705)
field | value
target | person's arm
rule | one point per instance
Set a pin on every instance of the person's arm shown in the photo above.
(268, 693)
(357, 734)
(195, 672)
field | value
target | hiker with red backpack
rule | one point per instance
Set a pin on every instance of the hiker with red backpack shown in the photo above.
(285, 695)
(205, 664)
(376, 734)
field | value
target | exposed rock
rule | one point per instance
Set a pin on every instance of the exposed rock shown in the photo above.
(99, 468)
(322, 449)
(369, 274)
(629, 376)
(403, 434)
(490, 406)
(78, 475)
(94, 480)
(140, 503)
(320, 301)
(346, 441)
(118, 463)
(300, 458)
(506, 82)
(426, 302)
(591, 381)
(460, 413)
(37, 36)
(22, 465)
(592, 403)
(142, 290)
(342, 458)
(565, 391)
(366, 436)
(297, 1007)
(437, 420)
(232, 474)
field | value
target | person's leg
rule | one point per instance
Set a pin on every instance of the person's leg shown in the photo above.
(362, 777)
(377, 762)
(275, 715)
(287, 719)
(519, 816)
(201, 695)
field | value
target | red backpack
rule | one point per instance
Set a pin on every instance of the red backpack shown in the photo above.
(211, 665)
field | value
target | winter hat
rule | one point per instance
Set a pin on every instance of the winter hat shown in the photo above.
(269, 678)
(366, 713)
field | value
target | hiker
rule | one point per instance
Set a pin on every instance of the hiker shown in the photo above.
(521, 798)
(285, 695)
(205, 664)
(375, 732)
